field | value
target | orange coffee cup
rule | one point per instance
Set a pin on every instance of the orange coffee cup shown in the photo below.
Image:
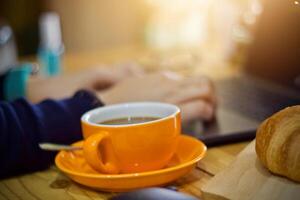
(131, 148)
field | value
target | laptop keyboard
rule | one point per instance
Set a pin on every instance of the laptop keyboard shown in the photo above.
(248, 97)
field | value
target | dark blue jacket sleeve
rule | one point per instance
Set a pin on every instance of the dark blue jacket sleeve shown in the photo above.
(23, 126)
(1, 87)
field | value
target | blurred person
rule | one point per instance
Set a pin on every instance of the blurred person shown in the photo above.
(24, 125)
(35, 109)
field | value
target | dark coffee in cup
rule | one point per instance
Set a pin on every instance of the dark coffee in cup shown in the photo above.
(128, 120)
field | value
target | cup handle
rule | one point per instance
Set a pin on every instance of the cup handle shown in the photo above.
(99, 153)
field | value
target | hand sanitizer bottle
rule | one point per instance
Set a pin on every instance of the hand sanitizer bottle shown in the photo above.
(51, 46)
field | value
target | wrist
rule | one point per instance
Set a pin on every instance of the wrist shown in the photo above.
(105, 97)
(33, 91)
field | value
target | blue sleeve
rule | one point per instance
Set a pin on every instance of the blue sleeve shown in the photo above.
(23, 126)
(1, 87)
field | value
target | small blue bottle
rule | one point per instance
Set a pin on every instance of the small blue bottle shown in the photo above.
(51, 46)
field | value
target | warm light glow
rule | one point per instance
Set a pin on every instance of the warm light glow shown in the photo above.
(176, 23)
(195, 23)
(296, 2)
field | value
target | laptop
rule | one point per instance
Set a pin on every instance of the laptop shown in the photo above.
(269, 83)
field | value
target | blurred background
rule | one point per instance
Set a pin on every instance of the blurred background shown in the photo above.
(196, 32)
(162, 24)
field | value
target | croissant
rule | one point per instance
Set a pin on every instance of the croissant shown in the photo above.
(278, 143)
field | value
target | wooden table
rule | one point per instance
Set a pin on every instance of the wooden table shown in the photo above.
(52, 184)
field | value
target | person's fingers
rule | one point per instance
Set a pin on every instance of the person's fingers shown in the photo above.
(192, 92)
(114, 73)
(102, 78)
(202, 81)
(196, 110)
(129, 69)
(169, 75)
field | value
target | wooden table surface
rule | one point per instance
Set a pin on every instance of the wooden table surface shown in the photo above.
(52, 184)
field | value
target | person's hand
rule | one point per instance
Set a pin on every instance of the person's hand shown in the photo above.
(195, 95)
(95, 79)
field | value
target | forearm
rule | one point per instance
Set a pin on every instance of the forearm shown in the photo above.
(23, 126)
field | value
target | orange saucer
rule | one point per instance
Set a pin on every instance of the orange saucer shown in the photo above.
(189, 152)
